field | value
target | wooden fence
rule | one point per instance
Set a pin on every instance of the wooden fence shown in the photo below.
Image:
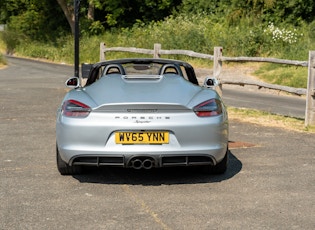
(218, 59)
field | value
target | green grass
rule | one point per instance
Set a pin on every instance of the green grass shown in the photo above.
(2, 50)
(2, 61)
(283, 75)
(268, 119)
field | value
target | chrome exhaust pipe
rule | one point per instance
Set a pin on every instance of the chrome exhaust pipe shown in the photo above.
(136, 164)
(147, 164)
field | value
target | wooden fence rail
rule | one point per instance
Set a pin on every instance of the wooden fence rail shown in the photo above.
(292, 90)
(218, 59)
(261, 59)
(156, 53)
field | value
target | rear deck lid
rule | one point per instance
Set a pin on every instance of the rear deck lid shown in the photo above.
(138, 91)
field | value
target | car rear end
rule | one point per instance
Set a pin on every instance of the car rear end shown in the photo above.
(142, 124)
(165, 136)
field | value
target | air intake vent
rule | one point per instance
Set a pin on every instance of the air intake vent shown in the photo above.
(99, 161)
(186, 160)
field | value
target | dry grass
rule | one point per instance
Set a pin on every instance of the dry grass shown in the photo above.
(268, 119)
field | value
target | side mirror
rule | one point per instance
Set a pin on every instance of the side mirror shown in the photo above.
(73, 82)
(211, 82)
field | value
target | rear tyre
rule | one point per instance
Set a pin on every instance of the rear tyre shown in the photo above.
(64, 168)
(219, 168)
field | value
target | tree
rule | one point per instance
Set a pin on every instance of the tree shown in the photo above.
(42, 20)
(203, 6)
(288, 11)
(68, 11)
(86, 7)
(124, 13)
(32, 18)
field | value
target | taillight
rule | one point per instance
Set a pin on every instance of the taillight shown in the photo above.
(212, 107)
(73, 108)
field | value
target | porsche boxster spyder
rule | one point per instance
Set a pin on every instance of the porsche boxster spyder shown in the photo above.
(142, 114)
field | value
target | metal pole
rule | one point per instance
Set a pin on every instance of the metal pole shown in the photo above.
(76, 37)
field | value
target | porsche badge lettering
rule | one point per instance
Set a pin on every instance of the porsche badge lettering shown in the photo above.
(142, 119)
(142, 137)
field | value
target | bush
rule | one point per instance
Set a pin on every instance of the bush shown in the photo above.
(2, 60)
(198, 32)
(11, 39)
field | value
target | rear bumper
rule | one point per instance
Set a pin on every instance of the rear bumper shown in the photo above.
(158, 161)
(192, 141)
(144, 160)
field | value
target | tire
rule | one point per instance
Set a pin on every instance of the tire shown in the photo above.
(219, 168)
(64, 168)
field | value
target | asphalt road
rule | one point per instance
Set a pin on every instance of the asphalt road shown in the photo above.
(269, 184)
(292, 106)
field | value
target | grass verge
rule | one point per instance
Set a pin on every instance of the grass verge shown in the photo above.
(267, 119)
(283, 75)
(2, 50)
(2, 61)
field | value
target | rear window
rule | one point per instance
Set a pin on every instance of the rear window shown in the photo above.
(142, 69)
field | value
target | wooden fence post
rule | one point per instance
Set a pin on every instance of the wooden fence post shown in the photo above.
(102, 51)
(310, 94)
(217, 66)
(157, 48)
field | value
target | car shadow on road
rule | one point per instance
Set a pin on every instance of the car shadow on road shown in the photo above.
(159, 176)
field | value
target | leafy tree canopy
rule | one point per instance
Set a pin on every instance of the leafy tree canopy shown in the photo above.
(48, 20)
(290, 11)
(33, 18)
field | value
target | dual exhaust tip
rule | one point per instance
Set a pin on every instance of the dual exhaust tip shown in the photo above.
(139, 163)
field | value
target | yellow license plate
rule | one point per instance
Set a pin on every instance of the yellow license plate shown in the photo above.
(142, 137)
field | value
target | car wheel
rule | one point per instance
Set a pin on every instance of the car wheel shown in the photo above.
(64, 168)
(219, 168)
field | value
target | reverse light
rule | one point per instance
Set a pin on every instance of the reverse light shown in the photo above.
(73, 108)
(209, 108)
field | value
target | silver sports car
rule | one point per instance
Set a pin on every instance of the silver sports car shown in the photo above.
(142, 114)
